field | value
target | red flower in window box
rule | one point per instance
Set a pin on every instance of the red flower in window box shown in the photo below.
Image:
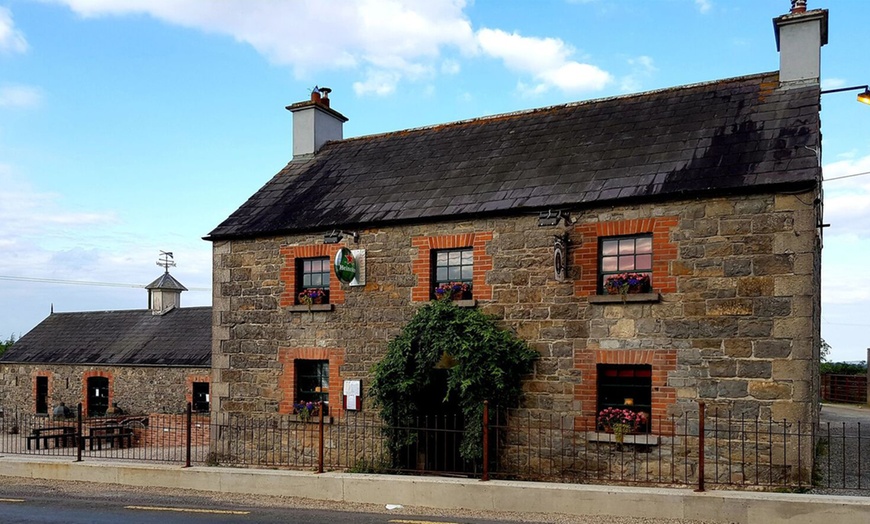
(621, 422)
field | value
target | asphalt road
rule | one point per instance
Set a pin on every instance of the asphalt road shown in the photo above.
(32, 501)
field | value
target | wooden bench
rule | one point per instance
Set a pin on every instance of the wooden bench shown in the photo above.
(63, 436)
(114, 435)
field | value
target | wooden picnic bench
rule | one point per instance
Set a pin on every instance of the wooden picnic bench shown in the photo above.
(63, 436)
(115, 435)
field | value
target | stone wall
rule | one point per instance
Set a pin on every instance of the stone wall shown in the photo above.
(734, 320)
(135, 389)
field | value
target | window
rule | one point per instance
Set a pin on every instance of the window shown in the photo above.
(312, 381)
(313, 280)
(98, 396)
(42, 394)
(454, 266)
(619, 255)
(200, 397)
(625, 387)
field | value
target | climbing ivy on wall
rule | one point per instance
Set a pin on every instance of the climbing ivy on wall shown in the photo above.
(484, 362)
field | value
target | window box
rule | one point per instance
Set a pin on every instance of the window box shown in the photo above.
(628, 297)
(327, 419)
(303, 308)
(640, 439)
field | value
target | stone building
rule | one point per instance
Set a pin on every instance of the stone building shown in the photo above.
(145, 361)
(711, 191)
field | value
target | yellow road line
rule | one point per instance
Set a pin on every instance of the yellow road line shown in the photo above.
(11, 500)
(420, 522)
(189, 510)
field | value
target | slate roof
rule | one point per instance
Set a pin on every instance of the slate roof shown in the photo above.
(166, 281)
(738, 134)
(181, 337)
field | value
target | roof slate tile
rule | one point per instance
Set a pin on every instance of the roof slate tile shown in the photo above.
(694, 139)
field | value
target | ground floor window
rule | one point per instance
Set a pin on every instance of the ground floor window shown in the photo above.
(625, 386)
(312, 381)
(98, 396)
(200, 397)
(42, 395)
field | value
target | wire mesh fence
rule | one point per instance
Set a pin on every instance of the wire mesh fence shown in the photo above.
(710, 449)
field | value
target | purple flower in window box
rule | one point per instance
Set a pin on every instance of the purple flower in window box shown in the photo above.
(452, 291)
(625, 283)
(312, 296)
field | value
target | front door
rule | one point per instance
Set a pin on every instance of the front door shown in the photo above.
(98, 396)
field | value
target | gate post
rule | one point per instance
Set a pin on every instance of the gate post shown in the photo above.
(485, 476)
(701, 415)
(189, 431)
(79, 440)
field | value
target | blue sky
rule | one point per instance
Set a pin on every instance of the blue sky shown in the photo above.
(133, 126)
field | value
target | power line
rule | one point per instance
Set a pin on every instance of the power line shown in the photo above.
(82, 282)
(847, 176)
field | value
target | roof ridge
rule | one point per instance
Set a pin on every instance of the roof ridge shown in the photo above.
(577, 103)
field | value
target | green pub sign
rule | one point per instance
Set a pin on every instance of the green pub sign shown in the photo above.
(345, 265)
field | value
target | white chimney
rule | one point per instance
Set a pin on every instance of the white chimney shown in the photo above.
(314, 123)
(800, 36)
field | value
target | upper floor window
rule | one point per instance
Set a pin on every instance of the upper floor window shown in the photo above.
(454, 271)
(313, 280)
(625, 264)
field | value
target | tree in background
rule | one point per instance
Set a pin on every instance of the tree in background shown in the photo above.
(4, 345)
(838, 368)
(824, 350)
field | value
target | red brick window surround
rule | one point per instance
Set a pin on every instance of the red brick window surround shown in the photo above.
(47, 376)
(291, 280)
(287, 381)
(423, 264)
(88, 374)
(662, 361)
(189, 381)
(586, 257)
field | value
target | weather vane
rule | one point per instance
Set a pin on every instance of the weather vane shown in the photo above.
(166, 260)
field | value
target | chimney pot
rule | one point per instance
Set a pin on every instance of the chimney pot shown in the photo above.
(798, 6)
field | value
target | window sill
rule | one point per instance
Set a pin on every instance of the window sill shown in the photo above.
(466, 303)
(311, 420)
(302, 308)
(624, 299)
(645, 439)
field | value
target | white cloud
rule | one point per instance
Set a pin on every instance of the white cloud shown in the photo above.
(450, 67)
(391, 40)
(704, 5)
(847, 200)
(642, 68)
(546, 60)
(377, 82)
(20, 96)
(11, 40)
(833, 83)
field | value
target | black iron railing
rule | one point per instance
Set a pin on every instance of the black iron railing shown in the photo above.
(706, 448)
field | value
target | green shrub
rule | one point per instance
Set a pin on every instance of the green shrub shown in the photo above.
(485, 361)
